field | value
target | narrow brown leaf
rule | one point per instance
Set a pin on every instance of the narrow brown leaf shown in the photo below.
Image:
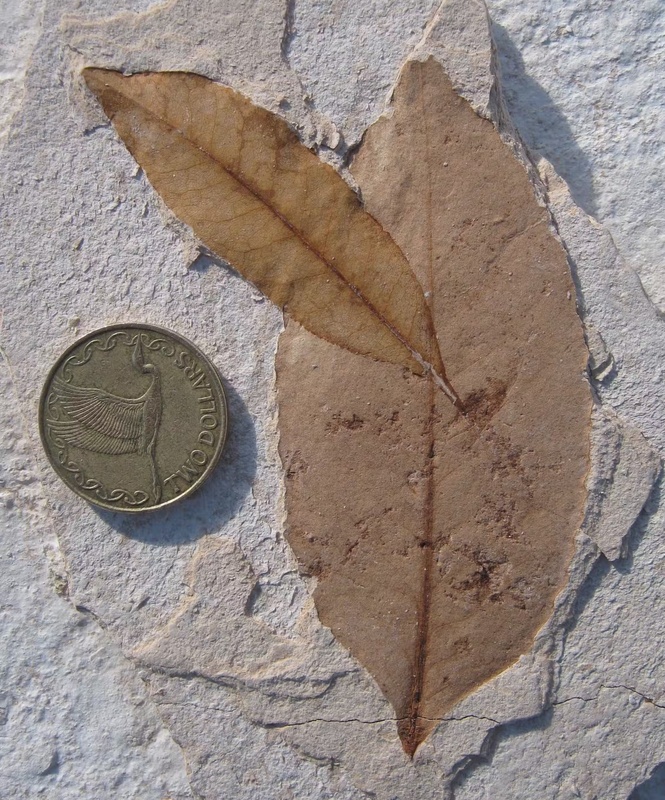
(255, 195)
(439, 539)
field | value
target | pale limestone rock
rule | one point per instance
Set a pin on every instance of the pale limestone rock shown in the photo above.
(21, 22)
(582, 84)
(577, 750)
(624, 469)
(74, 716)
(206, 602)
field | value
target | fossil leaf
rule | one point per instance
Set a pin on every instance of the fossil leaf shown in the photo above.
(256, 196)
(439, 538)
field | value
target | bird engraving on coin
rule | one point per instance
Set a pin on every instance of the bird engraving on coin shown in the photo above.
(133, 417)
(104, 423)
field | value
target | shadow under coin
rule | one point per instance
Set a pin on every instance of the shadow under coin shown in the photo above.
(215, 503)
(653, 788)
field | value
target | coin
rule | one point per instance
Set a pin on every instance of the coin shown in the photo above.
(133, 417)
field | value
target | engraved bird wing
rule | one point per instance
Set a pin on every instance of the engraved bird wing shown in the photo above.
(97, 420)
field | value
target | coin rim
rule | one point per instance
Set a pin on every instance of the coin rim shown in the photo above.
(182, 340)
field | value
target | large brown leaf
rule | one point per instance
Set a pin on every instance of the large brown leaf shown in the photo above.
(255, 195)
(440, 539)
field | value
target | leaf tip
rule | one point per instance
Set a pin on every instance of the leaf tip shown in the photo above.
(99, 81)
(411, 735)
(92, 75)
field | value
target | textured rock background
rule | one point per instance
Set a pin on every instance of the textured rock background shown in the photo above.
(182, 658)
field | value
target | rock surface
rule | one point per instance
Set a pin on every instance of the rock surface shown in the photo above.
(181, 657)
(580, 83)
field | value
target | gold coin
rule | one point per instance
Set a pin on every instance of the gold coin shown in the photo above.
(133, 417)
